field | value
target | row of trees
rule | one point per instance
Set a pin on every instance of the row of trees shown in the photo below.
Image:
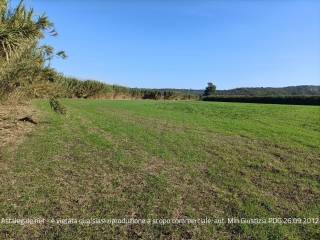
(74, 88)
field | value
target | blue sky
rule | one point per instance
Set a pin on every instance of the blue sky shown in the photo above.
(185, 44)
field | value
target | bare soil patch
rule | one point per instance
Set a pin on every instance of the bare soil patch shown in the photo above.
(15, 122)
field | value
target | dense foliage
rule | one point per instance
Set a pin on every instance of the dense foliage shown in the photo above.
(74, 88)
(24, 63)
(210, 89)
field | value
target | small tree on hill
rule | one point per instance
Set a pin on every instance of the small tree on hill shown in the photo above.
(210, 89)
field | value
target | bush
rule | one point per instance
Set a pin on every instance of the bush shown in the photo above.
(56, 106)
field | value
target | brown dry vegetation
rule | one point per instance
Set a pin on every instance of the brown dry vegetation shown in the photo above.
(12, 127)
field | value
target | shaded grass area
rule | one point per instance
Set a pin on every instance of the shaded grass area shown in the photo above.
(147, 159)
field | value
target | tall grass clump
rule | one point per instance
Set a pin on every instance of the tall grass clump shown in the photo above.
(56, 106)
(24, 63)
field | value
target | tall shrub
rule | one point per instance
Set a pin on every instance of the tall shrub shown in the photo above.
(23, 62)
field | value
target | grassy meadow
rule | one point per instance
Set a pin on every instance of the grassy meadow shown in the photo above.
(164, 159)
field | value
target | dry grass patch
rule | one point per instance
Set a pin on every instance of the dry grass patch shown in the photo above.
(14, 124)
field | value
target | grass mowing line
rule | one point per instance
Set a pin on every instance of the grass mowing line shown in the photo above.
(229, 118)
(97, 162)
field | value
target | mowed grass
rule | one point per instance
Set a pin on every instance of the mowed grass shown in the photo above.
(156, 159)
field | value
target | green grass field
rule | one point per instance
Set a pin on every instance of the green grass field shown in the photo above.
(173, 159)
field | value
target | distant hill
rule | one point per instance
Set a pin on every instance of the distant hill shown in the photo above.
(303, 90)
